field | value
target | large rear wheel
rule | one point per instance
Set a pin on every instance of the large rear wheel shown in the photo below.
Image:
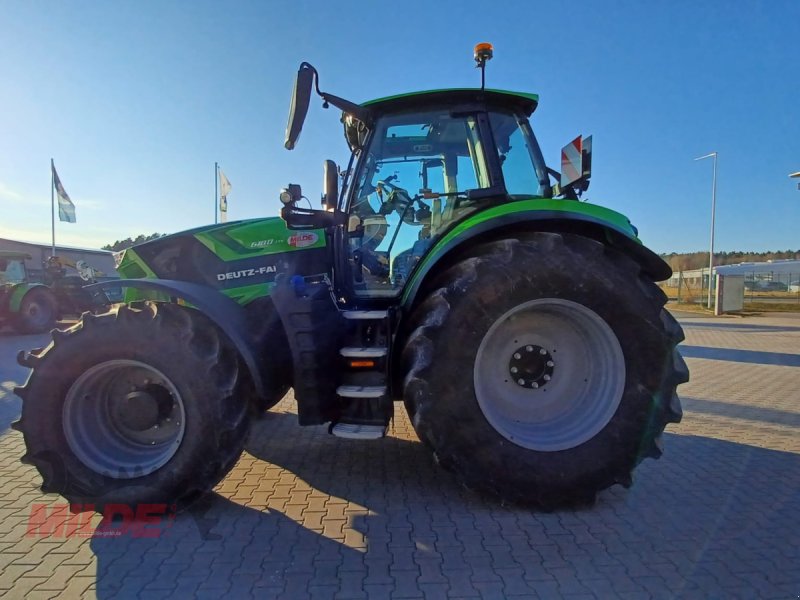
(543, 369)
(138, 405)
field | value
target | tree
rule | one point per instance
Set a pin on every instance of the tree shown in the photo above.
(128, 242)
(687, 261)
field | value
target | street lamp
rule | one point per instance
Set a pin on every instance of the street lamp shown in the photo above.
(795, 175)
(713, 211)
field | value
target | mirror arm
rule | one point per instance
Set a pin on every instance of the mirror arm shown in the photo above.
(316, 75)
(293, 128)
(297, 218)
(351, 108)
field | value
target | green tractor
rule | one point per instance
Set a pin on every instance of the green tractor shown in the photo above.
(449, 267)
(27, 306)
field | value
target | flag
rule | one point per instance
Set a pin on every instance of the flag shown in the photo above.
(224, 189)
(66, 209)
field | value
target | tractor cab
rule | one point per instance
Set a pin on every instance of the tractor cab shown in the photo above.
(12, 268)
(429, 160)
(421, 163)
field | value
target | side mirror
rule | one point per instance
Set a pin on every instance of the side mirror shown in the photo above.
(586, 159)
(576, 163)
(301, 97)
(330, 185)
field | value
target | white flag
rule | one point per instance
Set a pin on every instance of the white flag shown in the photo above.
(66, 209)
(224, 189)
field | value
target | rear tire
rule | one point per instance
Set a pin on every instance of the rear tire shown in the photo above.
(542, 370)
(37, 311)
(138, 405)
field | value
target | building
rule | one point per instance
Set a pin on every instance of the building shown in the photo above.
(776, 275)
(100, 260)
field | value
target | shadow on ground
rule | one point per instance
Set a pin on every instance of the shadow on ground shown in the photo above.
(756, 357)
(710, 519)
(754, 327)
(742, 411)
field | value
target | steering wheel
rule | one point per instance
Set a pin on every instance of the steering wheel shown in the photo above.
(398, 199)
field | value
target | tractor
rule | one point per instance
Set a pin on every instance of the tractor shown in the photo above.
(25, 305)
(30, 306)
(448, 267)
(72, 288)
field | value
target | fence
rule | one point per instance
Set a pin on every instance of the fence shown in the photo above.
(691, 287)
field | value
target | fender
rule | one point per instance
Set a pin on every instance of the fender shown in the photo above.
(19, 292)
(224, 312)
(558, 216)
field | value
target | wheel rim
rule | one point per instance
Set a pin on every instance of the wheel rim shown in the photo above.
(123, 419)
(37, 312)
(549, 374)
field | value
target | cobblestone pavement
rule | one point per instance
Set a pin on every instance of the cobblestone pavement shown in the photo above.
(304, 514)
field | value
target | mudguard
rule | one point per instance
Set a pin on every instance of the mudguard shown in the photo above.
(18, 293)
(226, 314)
(561, 216)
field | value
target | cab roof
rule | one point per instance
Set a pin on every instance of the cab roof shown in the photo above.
(522, 100)
(11, 255)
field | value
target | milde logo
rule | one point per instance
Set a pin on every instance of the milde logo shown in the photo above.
(301, 240)
(140, 521)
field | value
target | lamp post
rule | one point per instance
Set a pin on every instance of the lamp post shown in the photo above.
(795, 175)
(713, 211)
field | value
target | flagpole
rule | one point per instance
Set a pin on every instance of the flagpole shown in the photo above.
(216, 193)
(53, 204)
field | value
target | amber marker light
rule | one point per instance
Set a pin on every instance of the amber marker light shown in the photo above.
(362, 363)
(483, 51)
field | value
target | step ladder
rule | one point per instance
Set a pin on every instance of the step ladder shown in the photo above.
(363, 393)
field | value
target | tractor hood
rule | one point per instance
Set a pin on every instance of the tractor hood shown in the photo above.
(241, 258)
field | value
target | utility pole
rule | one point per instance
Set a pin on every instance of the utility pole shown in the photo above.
(713, 212)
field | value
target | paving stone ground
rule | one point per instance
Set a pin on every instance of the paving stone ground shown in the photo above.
(306, 515)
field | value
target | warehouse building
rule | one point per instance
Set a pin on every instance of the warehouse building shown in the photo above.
(102, 261)
(771, 275)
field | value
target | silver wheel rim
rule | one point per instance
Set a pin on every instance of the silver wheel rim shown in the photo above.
(123, 419)
(549, 374)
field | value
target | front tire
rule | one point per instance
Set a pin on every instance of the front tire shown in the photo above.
(543, 369)
(37, 311)
(138, 405)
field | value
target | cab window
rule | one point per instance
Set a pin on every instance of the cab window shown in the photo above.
(515, 148)
(11, 271)
(415, 179)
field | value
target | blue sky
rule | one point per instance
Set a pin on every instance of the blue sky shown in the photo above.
(136, 100)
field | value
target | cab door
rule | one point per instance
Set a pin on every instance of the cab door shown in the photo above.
(419, 173)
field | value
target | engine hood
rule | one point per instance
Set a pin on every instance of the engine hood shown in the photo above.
(241, 258)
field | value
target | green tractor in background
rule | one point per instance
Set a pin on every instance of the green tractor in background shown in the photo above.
(449, 267)
(27, 306)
